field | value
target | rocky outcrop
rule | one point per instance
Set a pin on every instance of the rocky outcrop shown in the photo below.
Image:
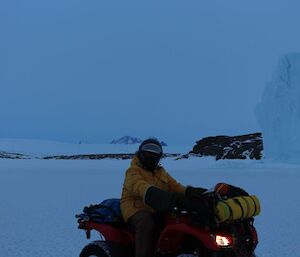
(90, 157)
(120, 156)
(248, 146)
(6, 155)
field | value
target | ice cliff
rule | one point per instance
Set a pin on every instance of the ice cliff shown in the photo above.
(278, 113)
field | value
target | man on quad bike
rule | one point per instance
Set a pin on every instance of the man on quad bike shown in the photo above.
(148, 188)
(165, 219)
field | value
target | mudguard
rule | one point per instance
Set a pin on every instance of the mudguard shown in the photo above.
(122, 236)
(173, 236)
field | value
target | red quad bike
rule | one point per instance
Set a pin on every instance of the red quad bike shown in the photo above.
(182, 233)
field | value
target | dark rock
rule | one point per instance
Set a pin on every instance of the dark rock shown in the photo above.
(120, 156)
(225, 147)
(6, 155)
(90, 157)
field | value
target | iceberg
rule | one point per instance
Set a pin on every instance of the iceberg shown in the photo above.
(278, 112)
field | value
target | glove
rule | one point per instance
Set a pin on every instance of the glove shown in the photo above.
(162, 201)
(203, 206)
(229, 190)
(194, 192)
(199, 204)
(178, 200)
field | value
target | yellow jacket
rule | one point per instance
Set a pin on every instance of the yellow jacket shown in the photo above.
(137, 181)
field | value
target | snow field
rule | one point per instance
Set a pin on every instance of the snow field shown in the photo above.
(39, 198)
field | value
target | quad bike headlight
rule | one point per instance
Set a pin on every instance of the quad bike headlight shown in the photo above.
(223, 241)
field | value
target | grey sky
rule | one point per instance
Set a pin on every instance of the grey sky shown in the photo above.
(96, 70)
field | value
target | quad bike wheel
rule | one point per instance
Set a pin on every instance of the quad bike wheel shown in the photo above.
(103, 249)
(96, 249)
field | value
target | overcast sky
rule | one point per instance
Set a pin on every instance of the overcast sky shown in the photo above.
(96, 70)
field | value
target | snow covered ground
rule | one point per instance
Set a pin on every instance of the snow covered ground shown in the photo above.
(39, 198)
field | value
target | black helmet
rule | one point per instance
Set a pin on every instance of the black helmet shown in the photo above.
(149, 154)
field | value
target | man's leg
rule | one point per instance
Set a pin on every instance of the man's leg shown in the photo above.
(144, 225)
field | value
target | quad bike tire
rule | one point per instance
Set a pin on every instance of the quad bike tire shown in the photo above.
(103, 249)
(96, 249)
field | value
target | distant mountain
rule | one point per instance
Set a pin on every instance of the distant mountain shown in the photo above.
(163, 143)
(127, 140)
(83, 142)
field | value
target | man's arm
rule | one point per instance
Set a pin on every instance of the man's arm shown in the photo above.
(189, 191)
(174, 186)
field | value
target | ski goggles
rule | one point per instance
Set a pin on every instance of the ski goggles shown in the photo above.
(153, 148)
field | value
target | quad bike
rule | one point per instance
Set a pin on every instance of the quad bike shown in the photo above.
(182, 232)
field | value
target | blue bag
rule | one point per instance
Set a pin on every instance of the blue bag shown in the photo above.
(108, 211)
